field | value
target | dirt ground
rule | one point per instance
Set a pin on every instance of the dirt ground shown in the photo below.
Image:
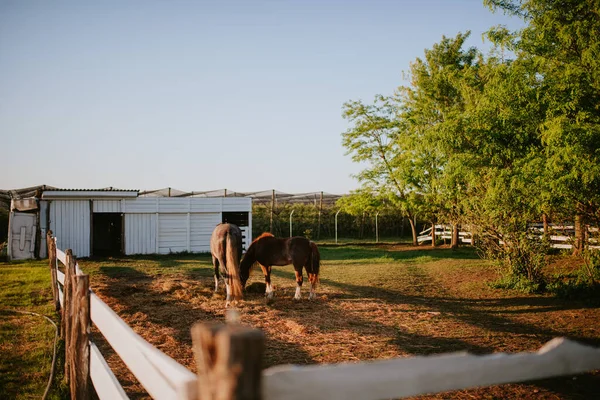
(395, 306)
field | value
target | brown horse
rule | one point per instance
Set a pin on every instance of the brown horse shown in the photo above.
(226, 251)
(268, 250)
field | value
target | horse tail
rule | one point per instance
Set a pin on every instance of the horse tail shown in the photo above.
(315, 259)
(232, 258)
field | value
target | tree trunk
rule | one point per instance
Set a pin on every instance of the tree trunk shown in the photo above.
(362, 226)
(455, 241)
(414, 231)
(579, 234)
(545, 222)
(433, 237)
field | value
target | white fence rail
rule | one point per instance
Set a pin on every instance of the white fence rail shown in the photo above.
(563, 236)
(160, 375)
(431, 374)
(444, 232)
(164, 378)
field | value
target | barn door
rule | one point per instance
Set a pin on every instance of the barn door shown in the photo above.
(21, 236)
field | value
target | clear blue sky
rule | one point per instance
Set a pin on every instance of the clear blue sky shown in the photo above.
(203, 95)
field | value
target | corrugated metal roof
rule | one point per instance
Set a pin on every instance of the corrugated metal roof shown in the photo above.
(108, 189)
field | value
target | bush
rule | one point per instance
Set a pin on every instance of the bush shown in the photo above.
(584, 283)
(522, 259)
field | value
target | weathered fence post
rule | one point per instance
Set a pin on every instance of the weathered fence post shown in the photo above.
(51, 244)
(68, 308)
(78, 351)
(229, 360)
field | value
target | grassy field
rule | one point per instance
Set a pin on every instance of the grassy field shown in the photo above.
(26, 341)
(374, 302)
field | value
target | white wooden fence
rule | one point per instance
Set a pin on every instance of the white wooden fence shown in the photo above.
(563, 236)
(222, 362)
(444, 232)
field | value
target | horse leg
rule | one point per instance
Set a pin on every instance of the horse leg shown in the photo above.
(217, 276)
(269, 289)
(313, 286)
(228, 291)
(228, 288)
(299, 279)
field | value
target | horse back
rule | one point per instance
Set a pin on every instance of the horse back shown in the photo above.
(220, 233)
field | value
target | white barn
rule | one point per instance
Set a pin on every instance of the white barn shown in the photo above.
(112, 222)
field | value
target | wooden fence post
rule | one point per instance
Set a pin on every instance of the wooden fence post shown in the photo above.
(79, 344)
(229, 361)
(51, 244)
(68, 308)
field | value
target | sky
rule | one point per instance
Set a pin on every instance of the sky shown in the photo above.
(204, 95)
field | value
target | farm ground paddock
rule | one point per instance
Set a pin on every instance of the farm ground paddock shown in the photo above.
(374, 302)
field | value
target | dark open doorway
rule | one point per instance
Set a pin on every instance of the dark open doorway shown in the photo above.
(107, 234)
(236, 218)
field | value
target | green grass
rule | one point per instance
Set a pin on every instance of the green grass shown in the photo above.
(26, 341)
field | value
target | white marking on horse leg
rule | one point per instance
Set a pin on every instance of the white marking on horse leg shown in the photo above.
(216, 284)
(269, 291)
(312, 294)
(297, 296)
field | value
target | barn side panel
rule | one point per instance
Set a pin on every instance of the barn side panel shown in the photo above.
(172, 233)
(140, 234)
(70, 223)
(201, 228)
(107, 206)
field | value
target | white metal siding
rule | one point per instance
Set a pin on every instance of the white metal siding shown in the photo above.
(237, 204)
(206, 205)
(172, 233)
(174, 205)
(201, 227)
(140, 234)
(186, 204)
(141, 205)
(107, 206)
(70, 223)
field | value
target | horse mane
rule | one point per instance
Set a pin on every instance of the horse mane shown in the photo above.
(263, 235)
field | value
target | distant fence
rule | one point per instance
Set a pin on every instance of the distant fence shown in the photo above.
(444, 232)
(228, 359)
(562, 236)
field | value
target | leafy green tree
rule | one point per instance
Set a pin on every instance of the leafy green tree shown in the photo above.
(430, 108)
(562, 39)
(374, 139)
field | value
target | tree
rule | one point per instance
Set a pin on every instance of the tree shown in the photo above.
(430, 109)
(562, 39)
(374, 139)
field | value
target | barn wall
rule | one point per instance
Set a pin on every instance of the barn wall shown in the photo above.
(140, 233)
(152, 225)
(201, 227)
(107, 206)
(172, 233)
(70, 223)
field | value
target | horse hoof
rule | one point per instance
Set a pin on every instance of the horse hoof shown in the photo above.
(312, 296)
(297, 298)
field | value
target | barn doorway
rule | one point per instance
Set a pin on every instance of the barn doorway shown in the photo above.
(237, 218)
(107, 234)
